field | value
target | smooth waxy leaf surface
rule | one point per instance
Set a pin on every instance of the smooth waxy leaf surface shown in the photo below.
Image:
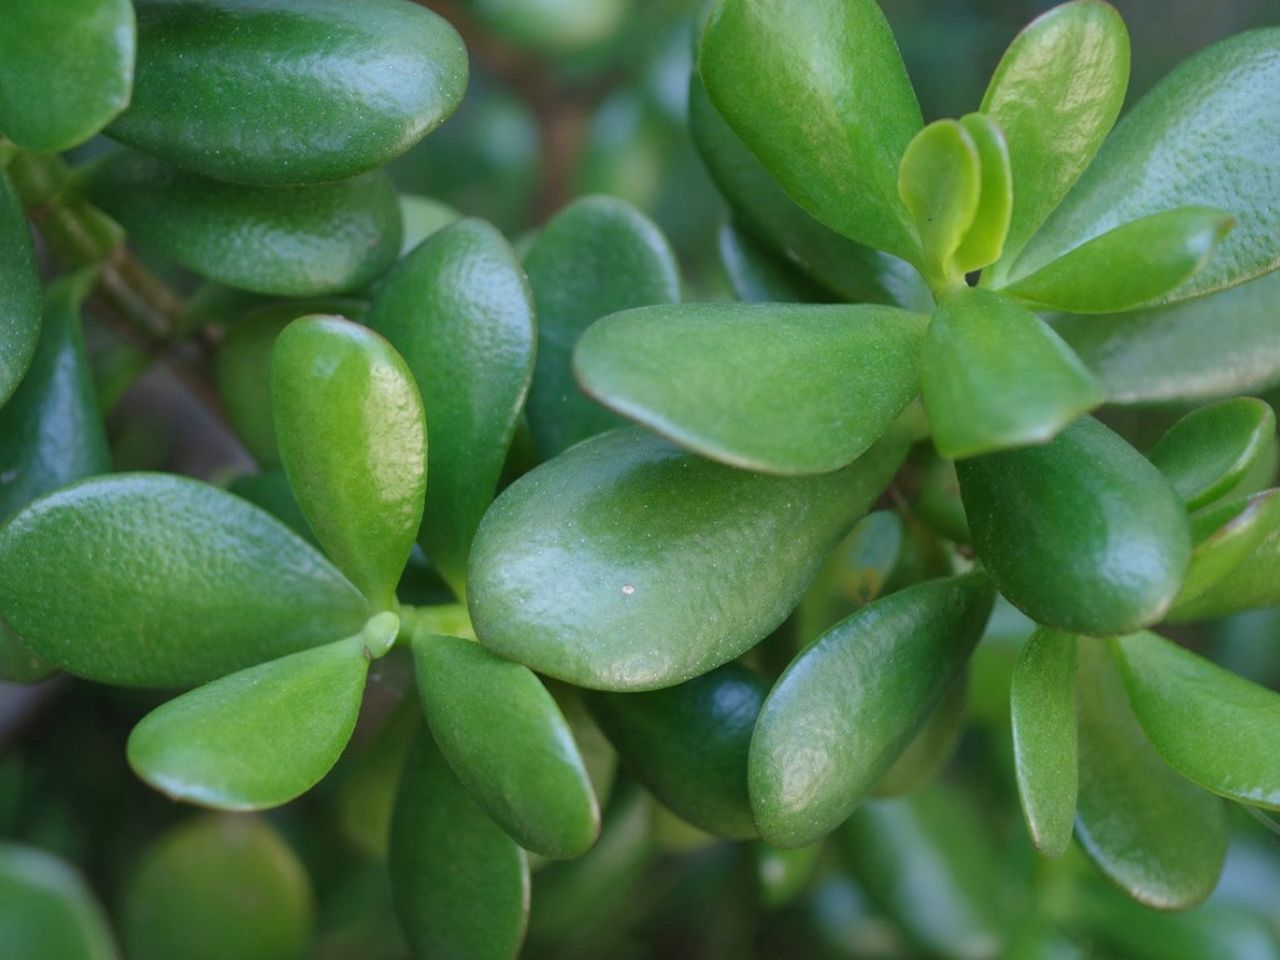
(289, 91)
(1209, 451)
(985, 238)
(1227, 536)
(257, 738)
(217, 887)
(508, 743)
(459, 310)
(630, 564)
(819, 93)
(155, 580)
(688, 744)
(932, 746)
(850, 703)
(940, 181)
(1082, 533)
(353, 441)
(597, 256)
(19, 292)
(710, 377)
(1042, 704)
(994, 375)
(293, 242)
(47, 910)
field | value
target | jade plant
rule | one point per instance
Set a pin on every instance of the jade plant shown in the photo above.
(770, 552)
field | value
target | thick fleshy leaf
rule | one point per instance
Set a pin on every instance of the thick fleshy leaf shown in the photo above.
(709, 376)
(851, 702)
(369, 775)
(1207, 453)
(260, 737)
(217, 887)
(1156, 836)
(820, 94)
(1206, 135)
(853, 574)
(47, 910)
(688, 744)
(293, 242)
(1082, 533)
(994, 376)
(783, 874)
(1128, 266)
(630, 564)
(156, 580)
(506, 740)
(461, 885)
(270, 490)
(757, 275)
(940, 181)
(927, 754)
(459, 310)
(1225, 535)
(353, 441)
(1056, 94)
(422, 218)
(1042, 704)
(549, 27)
(19, 292)
(985, 238)
(597, 256)
(289, 91)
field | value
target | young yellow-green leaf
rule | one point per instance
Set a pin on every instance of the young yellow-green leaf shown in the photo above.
(994, 376)
(1207, 453)
(927, 754)
(984, 241)
(1225, 534)
(47, 910)
(294, 242)
(628, 564)
(597, 256)
(688, 744)
(1156, 836)
(461, 885)
(1082, 533)
(1207, 136)
(712, 376)
(819, 93)
(19, 292)
(506, 740)
(1128, 266)
(353, 442)
(156, 580)
(1056, 94)
(1042, 704)
(850, 703)
(1213, 727)
(257, 738)
(459, 310)
(1232, 583)
(940, 181)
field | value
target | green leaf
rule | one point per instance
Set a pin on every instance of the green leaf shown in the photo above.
(1127, 266)
(459, 311)
(423, 217)
(156, 580)
(293, 242)
(1158, 837)
(270, 490)
(1042, 704)
(757, 275)
(1082, 534)
(257, 738)
(1225, 535)
(353, 441)
(783, 875)
(849, 705)
(819, 93)
(461, 885)
(1207, 453)
(1056, 94)
(933, 745)
(985, 238)
(47, 910)
(710, 377)
(369, 775)
(289, 91)
(853, 574)
(688, 744)
(630, 564)
(1204, 136)
(519, 762)
(19, 292)
(994, 376)
(596, 257)
(217, 887)
(940, 181)
(549, 27)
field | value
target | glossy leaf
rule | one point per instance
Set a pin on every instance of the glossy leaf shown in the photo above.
(1234, 583)
(293, 242)
(1156, 836)
(596, 257)
(850, 703)
(423, 217)
(353, 441)
(19, 292)
(459, 310)
(47, 910)
(819, 93)
(1082, 534)
(709, 377)
(1225, 535)
(155, 580)
(984, 241)
(940, 181)
(629, 564)
(994, 376)
(927, 754)
(1042, 704)
(853, 574)
(289, 91)
(1207, 453)
(688, 744)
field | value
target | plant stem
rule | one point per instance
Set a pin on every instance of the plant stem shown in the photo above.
(447, 619)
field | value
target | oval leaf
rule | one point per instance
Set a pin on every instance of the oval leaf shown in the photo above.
(19, 292)
(756, 275)
(47, 910)
(1225, 535)
(929, 750)
(1209, 451)
(985, 239)
(940, 180)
